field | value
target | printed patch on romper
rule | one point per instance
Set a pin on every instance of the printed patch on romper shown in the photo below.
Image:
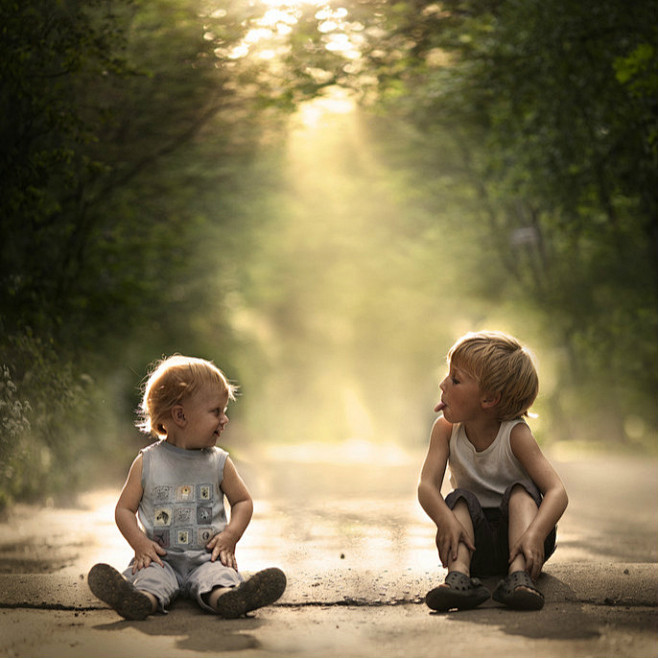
(203, 514)
(183, 537)
(184, 515)
(163, 494)
(204, 491)
(162, 517)
(161, 537)
(204, 535)
(185, 493)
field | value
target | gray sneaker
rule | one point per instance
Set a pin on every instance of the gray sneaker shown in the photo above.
(263, 588)
(107, 584)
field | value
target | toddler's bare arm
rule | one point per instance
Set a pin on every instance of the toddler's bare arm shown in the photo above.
(223, 544)
(125, 514)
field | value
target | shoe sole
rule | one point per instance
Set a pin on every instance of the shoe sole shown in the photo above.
(262, 589)
(107, 584)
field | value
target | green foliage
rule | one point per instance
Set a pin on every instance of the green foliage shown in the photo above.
(13, 414)
(552, 109)
(122, 124)
(41, 402)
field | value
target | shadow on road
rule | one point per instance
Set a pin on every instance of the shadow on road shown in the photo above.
(193, 630)
(547, 624)
(583, 622)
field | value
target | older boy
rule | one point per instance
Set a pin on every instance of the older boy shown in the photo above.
(507, 498)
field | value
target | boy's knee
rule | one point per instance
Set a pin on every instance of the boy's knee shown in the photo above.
(519, 490)
(463, 496)
(519, 495)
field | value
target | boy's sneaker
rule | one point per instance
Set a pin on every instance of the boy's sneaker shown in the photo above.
(263, 588)
(111, 587)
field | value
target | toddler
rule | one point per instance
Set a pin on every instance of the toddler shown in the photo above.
(176, 486)
(507, 498)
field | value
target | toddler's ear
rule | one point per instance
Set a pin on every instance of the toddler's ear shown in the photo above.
(178, 415)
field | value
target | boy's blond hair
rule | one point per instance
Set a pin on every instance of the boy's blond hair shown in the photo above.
(173, 380)
(502, 366)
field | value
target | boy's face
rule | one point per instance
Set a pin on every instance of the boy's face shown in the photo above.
(460, 396)
(205, 418)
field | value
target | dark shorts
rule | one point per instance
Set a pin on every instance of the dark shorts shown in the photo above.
(491, 557)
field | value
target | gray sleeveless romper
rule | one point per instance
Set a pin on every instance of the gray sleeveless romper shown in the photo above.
(181, 509)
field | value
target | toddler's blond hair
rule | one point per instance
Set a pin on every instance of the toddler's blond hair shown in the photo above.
(172, 380)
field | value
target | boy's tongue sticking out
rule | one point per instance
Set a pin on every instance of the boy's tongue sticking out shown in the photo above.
(440, 407)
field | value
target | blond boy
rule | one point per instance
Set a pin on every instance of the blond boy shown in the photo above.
(501, 516)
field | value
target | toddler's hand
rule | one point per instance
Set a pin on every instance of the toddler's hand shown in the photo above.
(222, 546)
(148, 551)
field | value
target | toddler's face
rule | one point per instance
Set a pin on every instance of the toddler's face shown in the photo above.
(205, 415)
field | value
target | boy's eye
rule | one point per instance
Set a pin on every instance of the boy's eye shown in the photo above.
(454, 380)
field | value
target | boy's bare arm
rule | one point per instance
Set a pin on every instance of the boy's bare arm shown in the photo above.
(433, 472)
(450, 532)
(125, 514)
(223, 544)
(542, 473)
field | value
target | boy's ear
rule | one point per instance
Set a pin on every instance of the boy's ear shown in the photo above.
(178, 415)
(490, 400)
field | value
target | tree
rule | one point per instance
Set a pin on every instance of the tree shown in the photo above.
(119, 120)
(552, 109)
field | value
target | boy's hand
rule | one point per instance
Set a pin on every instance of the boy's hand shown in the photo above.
(448, 538)
(222, 546)
(147, 551)
(532, 549)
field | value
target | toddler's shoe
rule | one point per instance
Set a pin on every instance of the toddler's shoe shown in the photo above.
(263, 588)
(111, 587)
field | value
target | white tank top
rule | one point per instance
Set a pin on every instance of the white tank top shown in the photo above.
(489, 473)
